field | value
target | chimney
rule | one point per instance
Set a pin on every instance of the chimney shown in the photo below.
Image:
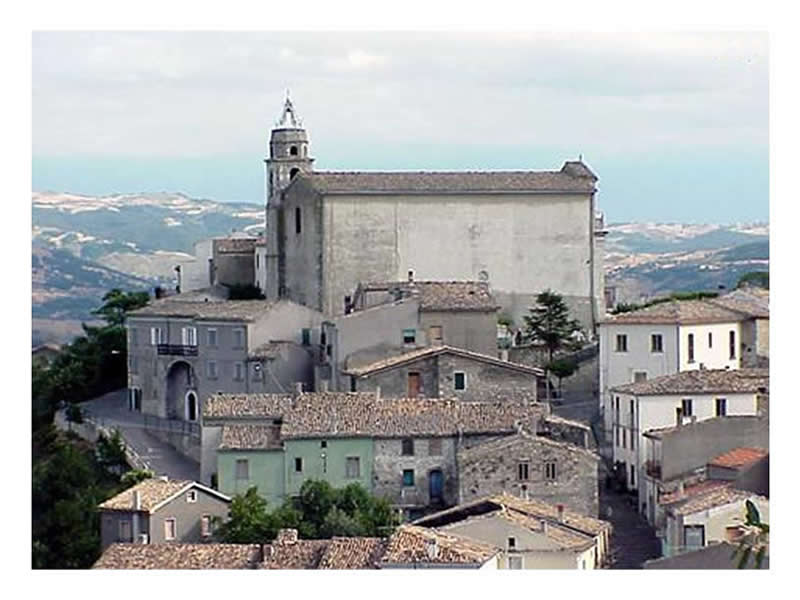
(544, 527)
(432, 548)
(681, 489)
(137, 500)
(678, 416)
(524, 492)
(298, 387)
(377, 392)
(286, 537)
(163, 478)
(560, 508)
(410, 276)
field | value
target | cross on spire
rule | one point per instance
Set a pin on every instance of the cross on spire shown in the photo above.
(289, 117)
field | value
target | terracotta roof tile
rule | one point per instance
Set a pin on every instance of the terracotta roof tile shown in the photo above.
(179, 556)
(691, 491)
(441, 295)
(410, 545)
(250, 437)
(228, 310)
(717, 497)
(493, 447)
(152, 492)
(700, 381)
(685, 312)
(739, 457)
(352, 553)
(752, 302)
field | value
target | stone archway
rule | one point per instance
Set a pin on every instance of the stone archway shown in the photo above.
(180, 381)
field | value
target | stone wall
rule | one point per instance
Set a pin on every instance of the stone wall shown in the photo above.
(484, 381)
(394, 382)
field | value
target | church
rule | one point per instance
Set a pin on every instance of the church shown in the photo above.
(520, 231)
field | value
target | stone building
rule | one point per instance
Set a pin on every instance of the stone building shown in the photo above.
(402, 449)
(157, 511)
(520, 231)
(529, 465)
(444, 371)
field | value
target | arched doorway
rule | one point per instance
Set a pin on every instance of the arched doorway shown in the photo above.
(180, 381)
(191, 406)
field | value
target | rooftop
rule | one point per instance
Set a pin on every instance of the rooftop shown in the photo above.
(250, 437)
(739, 457)
(228, 310)
(714, 498)
(714, 556)
(691, 491)
(664, 433)
(493, 447)
(441, 295)
(153, 493)
(413, 545)
(701, 381)
(180, 556)
(684, 312)
(289, 552)
(753, 302)
(431, 351)
(352, 553)
(347, 414)
(530, 507)
(573, 177)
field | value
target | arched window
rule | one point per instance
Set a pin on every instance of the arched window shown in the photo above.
(293, 172)
(293, 151)
(191, 406)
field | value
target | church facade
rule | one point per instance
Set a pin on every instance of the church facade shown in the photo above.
(521, 231)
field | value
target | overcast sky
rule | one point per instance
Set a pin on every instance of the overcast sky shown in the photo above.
(675, 126)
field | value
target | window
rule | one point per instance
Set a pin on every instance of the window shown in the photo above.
(352, 467)
(257, 371)
(550, 473)
(134, 334)
(616, 408)
(205, 526)
(169, 529)
(459, 381)
(691, 347)
(211, 369)
(409, 336)
(125, 531)
(238, 338)
(306, 333)
(293, 151)
(408, 477)
(298, 220)
(134, 364)
(156, 336)
(710, 340)
(323, 444)
(298, 465)
(633, 476)
(722, 407)
(694, 536)
(189, 336)
(242, 469)
(624, 438)
(135, 399)
(622, 343)
(656, 343)
(616, 429)
(191, 496)
(514, 562)
(211, 337)
(238, 371)
(292, 173)
(407, 447)
(512, 543)
(639, 376)
(435, 334)
(435, 447)
(191, 406)
(522, 471)
(732, 344)
(686, 407)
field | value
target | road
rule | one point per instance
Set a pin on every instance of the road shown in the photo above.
(633, 541)
(111, 410)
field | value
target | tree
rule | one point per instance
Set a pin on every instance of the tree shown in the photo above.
(562, 368)
(248, 522)
(755, 539)
(111, 452)
(116, 304)
(549, 322)
(135, 476)
(756, 278)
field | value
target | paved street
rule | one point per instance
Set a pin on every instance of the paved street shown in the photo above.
(111, 410)
(633, 540)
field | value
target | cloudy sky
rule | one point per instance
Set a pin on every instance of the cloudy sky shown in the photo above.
(675, 125)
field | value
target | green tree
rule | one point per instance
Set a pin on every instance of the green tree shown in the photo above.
(562, 368)
(755, 539)
(549, 323)
(117, 303)
(111, 452)
(756, 278)
(248, 522)
(135, 476)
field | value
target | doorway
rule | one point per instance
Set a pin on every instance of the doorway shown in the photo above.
(436, 486)
(413, 385)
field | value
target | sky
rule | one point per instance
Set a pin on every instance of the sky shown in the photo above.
(676, 126)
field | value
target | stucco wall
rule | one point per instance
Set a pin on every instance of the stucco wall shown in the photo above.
(331, 467)
(187, 517)
(302, 270)
(715, 356)
(266, 470)
(394, 382)
(484, 381)
(470, 330)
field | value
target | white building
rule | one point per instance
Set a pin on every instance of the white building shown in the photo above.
(667, 338)
(668, 400)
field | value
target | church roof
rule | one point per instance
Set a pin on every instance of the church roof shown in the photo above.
(574, 177)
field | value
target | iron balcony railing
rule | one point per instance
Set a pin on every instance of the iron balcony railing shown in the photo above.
(177, 350)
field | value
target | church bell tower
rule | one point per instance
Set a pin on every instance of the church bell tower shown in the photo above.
(288, 157)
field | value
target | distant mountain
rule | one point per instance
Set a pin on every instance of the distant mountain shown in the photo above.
(85, 245)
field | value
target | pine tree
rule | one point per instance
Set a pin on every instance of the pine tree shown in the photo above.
(549, 322)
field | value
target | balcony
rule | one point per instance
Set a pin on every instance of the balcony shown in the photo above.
(653, 469)
(176, 350)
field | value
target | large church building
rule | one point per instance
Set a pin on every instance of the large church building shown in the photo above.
(522, 231)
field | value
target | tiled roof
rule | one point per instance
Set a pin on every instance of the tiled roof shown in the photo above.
(152, 492)
(753, 302)
(410, 545)
(700, 381)
(442, 295)
(714, 556)
(229, 310)
(555, 419)
(691, 491)
(533, 508)
(235, 245)
(431, 351)
(179, 556)
(562, 536)
(739, 457)
(340, 414)
(493, 447)
(716, 497)
(684, 312)
(352, 553)
(303, 554)
(570, 178)
(250, 437)
(664, 433)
